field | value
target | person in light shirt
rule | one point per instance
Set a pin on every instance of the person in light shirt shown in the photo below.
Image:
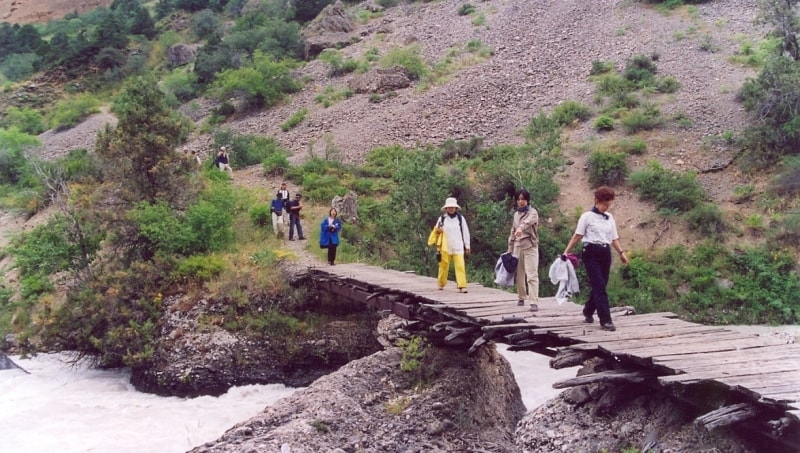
(598, 232)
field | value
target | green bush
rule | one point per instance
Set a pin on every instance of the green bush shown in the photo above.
(787, 182)
(14, 167)
(19, 66)
(706, 220)
(604, 123)
(247, 150)
(569, 111)
(667, 189)
(198, 267)
(275, 165)
(640, 70)
(607, 168)
(263, 83)
(69, 112)
(181, 84)
(466, 9)
(24, 119)
(260, 215)
(642, 119)
(613, 85)
(667, 85)
(601, 67)
(634, 146)
(408, 58)
(296, 118)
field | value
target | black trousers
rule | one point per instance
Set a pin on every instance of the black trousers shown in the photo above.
(597, 262)
(331, 253)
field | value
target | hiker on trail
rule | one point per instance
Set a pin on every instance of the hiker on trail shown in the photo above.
(523, 243)
(294, 208)
(450, 235)
(284, 193)
(329, 234)
(276, 208)
(223, 161)
(598, 231)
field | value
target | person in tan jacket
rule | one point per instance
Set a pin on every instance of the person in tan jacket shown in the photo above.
(523, 243)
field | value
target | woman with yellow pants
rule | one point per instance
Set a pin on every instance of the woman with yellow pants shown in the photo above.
(451, 235)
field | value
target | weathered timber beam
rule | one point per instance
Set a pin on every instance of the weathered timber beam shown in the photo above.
(604, 376)
(567, 357)
(726, 416)
(443, 325)
(456, 332)
(480, 341)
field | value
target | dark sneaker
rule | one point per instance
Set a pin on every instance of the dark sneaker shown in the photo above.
(588, 319)
(520, 303)
(303, 238)
(534, 307)
(608, 326)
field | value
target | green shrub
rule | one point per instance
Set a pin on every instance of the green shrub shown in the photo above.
(667, 84)
(276, 164)
(466, 9)
(69, 112)
(604, 123)
(706, 219)
(14, 167)
(640, 70)
(642, 119)
(296, 118)
(260, 215)
(634, 146)
(263, 83)
(198, 267)
(607, 168)
(667, 189)
(247, 150)
(408, 58)
(613, 85)
(787, 182)
(25, 119)
(181, 84)
(601, 67)
(569, 111)
(19, 66)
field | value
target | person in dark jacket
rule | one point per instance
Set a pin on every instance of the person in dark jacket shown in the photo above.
(294, 208)
(329, 234)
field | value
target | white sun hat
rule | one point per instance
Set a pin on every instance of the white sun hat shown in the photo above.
(451, 203)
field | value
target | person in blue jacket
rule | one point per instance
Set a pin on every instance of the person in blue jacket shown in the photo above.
(329, 234)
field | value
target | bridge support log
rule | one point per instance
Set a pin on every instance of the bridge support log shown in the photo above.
(605, 376)
(726, 416)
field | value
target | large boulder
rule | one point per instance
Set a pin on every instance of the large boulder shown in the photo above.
(451, 401)
(346, 207)
(181, 54)
(332, 28)
(381, 81)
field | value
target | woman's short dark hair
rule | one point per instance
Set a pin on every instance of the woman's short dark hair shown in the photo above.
(524, 194)
(603, 194)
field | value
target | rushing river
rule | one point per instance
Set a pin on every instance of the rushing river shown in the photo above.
(65, 409)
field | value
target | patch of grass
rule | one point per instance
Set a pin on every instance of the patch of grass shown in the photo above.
(296, 118)
(331, 95)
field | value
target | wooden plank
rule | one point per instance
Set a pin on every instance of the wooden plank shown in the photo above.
(711, 346)
(596, 336)
(686, 338)
(773, 352)
(757, 368)
(788, 397)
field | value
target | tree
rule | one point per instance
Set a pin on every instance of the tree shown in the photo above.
(264, 83)
(137, 156)
(782, 14)
(143, 24)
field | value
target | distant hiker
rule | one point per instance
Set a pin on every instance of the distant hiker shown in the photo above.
(294, 208)
(197, 159)
(451, 237)
(276, 208)
(598, 231)
(284, 193)
(329, 234)
(223, 161)
(523, 243)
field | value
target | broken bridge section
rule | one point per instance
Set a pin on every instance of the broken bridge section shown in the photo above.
(747, 380)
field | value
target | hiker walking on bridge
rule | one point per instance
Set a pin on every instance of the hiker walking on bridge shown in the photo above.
(451, 237)
(523, 243)
(598, 231)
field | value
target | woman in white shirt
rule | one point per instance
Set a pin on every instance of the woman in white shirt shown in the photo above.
(598, 231)
(453, 226)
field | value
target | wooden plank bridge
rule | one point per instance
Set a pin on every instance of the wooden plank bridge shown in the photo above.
(757, 376)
